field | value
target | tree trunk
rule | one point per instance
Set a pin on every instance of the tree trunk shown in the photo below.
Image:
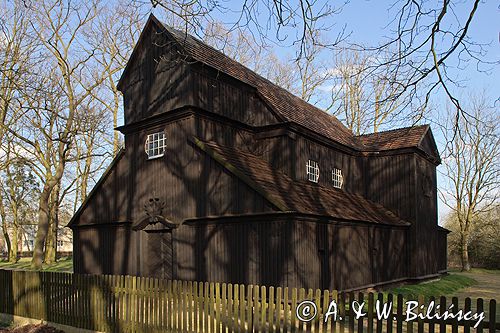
(43, 225)
(51, 244)
(7, 239)
(13, 245)
(5, 231)
(465, 253)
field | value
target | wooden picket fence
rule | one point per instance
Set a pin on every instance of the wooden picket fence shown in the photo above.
(133, 304)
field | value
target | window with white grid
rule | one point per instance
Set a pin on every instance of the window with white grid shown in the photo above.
(312, 169)
(337, 178)
(155, 145)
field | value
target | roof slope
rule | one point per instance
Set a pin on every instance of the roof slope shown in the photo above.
(287, 105)
(394, 139)
(298, 196)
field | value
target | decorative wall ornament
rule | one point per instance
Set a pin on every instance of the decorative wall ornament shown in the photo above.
(154, 214)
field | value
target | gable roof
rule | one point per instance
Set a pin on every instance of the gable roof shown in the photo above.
(297, 196)
(288, 106)
(407, 137)
(394, 139)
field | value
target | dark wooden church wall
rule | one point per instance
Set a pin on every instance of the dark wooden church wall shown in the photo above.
(363, 255)
(278, 151)
(250, 251)
(158, 79)
(104, 249)
(390, 181)
(327, 158)
(426, 238)
(222, 132)
(293, 253)
(219, 93)
(157, 254)
(350, 256)
(428, 145)
(390, 255)
(442, 250)
(190, 182)
(111, 201)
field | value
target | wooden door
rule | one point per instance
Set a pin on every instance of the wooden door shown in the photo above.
(160, 256)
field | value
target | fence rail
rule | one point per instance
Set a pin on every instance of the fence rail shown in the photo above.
(134, 304)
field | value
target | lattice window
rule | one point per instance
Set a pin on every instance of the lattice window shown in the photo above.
(337, 178)
(155, 145)
(312, 169)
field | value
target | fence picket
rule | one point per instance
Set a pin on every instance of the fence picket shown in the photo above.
(420, 322)
(432, 322)
(350, 313)
(467, 307)
(442, 309)
(399, 314)
(454, 325)
(479, 309)
(380, 322)
(361, 300)
(341, 312)
(293, 316)
(241, 305)
(217, 307)
(492, 318)
(286, 326)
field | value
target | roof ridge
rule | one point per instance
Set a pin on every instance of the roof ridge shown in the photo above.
(394, 130)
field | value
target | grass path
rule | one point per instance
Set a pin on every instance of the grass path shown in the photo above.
(487, 287)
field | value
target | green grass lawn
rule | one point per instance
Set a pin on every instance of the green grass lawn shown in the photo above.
(62, 265)
(446, 285)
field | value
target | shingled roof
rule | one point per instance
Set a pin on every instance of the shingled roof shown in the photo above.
(297, 196)
(394, 139)
(287, 105)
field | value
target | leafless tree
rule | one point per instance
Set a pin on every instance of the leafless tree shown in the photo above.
(111, 38)
(472, 168)
(290, 22)
(429, 39)
(303, 76)
(364, 103)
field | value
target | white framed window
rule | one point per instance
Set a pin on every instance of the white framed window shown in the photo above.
(312, 169)
(337, 178)
(155, 145)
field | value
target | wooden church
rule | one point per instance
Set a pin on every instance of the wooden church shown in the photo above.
(227, 177)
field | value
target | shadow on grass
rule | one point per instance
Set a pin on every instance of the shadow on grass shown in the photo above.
(446, 285)
(62, 265)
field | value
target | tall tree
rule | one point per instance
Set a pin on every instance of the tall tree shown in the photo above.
(472, 168)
